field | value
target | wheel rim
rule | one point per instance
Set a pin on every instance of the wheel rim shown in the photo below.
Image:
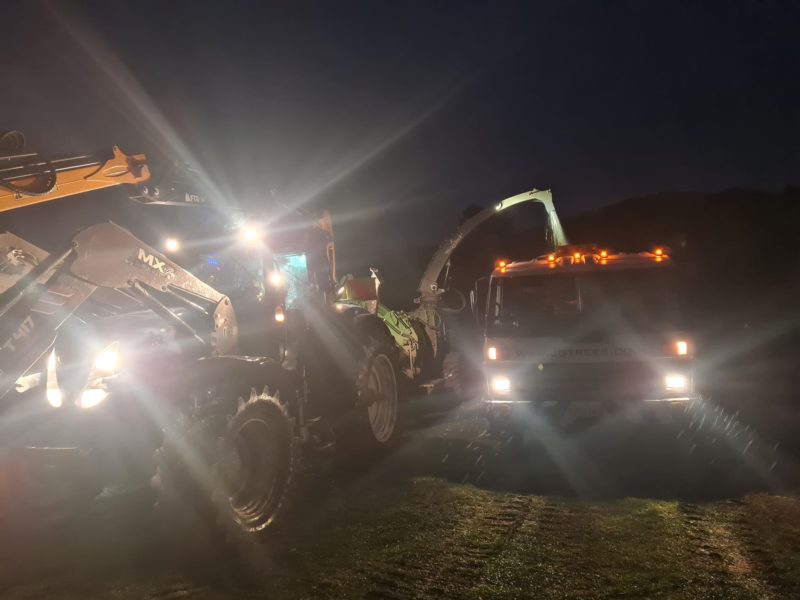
(382, 388)
(254, 473)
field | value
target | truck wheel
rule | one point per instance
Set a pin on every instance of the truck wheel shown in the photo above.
(232, 473)
(377, 388)
(455, 374)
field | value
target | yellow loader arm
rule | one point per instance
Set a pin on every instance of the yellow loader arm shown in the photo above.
(67, 177)
(27, 177)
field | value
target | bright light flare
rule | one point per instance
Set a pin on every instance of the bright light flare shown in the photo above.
(676, 382)
(280, 315)
(52, 390)
(491, 353)
(275, 279)
(54, 397)
(172, 244)
(682, 347)
(251, 233)
(107, 361)
(92, 397)
(500, 384)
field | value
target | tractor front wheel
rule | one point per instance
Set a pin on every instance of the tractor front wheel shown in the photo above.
(233, 472)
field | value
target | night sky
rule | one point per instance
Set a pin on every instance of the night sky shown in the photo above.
(397, 115)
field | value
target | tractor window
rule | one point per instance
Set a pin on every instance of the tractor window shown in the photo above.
(295, 270)
(234, 277)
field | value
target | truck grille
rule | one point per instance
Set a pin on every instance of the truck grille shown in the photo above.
(593, 381)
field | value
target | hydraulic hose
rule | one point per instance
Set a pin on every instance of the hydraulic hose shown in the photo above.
(38, 168)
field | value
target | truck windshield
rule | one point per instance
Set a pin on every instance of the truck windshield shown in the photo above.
(604, 302)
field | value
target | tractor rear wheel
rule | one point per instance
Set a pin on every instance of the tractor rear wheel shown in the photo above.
(376, 385)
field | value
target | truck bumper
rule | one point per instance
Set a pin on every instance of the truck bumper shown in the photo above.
(665, 381)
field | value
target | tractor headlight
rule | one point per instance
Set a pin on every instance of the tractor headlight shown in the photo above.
(251, 233)
(275, 279)
(52, 390)
(172, 245)
(91, 397)
(106, 363)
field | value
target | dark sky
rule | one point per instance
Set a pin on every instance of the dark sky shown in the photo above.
(399, 114)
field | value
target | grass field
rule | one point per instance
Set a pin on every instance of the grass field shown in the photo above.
(433, 539)
(444, 518)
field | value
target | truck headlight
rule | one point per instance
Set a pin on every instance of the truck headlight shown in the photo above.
(500, 384)
(676, 382)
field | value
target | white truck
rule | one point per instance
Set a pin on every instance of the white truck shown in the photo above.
(583, 329)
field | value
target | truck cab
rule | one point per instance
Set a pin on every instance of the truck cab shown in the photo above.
(585, 324)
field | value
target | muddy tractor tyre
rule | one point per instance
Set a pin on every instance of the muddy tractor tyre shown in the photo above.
(455, 372)
(256, 468)
(231, 474)
(378, 391)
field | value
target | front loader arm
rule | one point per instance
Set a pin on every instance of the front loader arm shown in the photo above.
(49, 288)
(109, 256)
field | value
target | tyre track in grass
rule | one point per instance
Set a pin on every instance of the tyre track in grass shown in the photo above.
(716, 543)
(769, 529)
(549, 558)
(462, 567)
(473, 540)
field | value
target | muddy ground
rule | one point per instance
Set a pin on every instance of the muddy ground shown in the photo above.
(697, 504)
